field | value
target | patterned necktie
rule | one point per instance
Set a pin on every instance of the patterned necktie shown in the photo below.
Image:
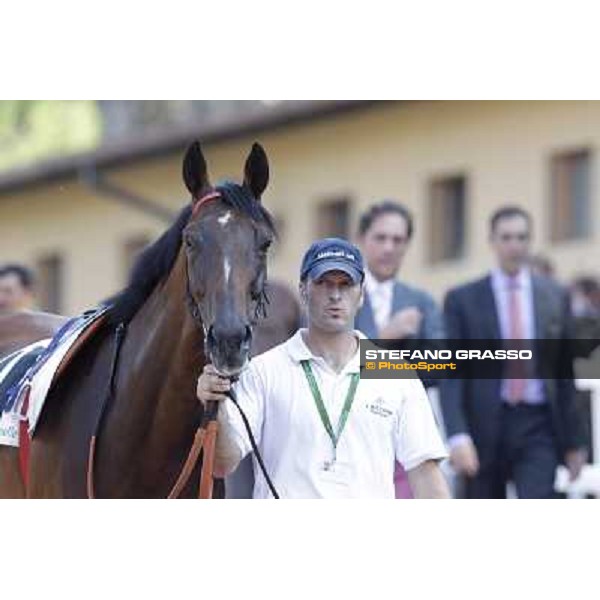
(516, 368)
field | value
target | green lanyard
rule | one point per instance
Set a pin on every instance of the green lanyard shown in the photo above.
(314, 388)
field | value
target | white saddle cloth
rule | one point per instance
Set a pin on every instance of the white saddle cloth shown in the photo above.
(39, 384)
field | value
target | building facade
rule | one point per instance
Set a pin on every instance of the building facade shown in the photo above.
(451, 163)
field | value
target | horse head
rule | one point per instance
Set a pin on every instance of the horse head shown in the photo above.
(226, 243)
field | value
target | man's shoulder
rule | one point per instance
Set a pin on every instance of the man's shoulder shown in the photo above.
(274, 356)
(548, 285)
(469, 289)
(265, 370)
(418, 295)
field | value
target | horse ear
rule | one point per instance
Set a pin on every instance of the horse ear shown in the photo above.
(256, 170)
(195, 173)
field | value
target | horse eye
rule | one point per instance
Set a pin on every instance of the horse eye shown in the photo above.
(264, 247)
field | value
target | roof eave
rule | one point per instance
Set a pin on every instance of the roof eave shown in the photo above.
(160, 143)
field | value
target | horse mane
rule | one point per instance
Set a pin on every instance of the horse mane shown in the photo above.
(156, 261)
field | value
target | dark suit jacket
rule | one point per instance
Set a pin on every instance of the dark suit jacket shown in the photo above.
(587, 336)
(404, 296)
(473, 406)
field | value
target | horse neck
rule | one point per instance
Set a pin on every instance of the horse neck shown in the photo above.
(166, 340)
(155, 410)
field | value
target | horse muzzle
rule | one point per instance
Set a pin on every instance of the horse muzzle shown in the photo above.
(228, 347)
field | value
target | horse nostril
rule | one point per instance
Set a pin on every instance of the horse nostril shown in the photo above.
(229, 337)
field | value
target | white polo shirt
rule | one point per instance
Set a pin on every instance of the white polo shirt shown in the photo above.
(390, 419)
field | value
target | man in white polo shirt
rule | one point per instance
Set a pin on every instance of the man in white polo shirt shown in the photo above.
(321, 430)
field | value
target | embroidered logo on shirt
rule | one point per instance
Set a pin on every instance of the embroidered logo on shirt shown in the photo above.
(378, 407)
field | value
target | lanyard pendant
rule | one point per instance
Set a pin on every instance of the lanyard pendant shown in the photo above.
(329, 464)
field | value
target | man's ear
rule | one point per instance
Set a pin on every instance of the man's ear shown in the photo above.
(303, 292)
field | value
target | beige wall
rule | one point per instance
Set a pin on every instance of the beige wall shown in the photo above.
(391, 150)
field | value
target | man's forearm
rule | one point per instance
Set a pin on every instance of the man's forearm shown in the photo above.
(427, 481)
(228, 454)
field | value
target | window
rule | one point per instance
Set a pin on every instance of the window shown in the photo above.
(333, 218)
(447, 219)
(131, 250)
(570, 195)
(50, 274)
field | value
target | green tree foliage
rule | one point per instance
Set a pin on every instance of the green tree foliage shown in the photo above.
(35, 130)
(32, 130)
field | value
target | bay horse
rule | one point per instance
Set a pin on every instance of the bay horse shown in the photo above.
(193, 297)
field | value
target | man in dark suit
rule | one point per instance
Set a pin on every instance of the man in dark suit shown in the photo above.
(391, 308)
(510, 428)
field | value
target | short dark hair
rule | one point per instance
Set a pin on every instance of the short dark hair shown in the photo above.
(588, 284)
(385, 207)
(24, 274)
(507, 212)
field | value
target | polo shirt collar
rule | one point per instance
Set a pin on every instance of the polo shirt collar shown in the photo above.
(298, 351)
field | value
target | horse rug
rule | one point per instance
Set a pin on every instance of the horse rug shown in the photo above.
(27, 375)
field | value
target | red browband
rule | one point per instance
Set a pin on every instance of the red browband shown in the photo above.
(214, 195)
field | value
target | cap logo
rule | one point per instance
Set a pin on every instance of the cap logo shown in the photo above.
(335, 254)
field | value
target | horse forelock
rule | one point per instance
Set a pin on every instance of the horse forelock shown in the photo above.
(240, 198)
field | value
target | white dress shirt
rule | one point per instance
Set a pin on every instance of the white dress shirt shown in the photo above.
(380, 296)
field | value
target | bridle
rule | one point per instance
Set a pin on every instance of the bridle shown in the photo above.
(192, 305)
(261, 300)
(206, 433)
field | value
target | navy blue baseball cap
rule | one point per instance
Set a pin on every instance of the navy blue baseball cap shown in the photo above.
(332, 254)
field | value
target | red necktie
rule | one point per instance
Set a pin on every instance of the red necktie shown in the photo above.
(516, 370)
